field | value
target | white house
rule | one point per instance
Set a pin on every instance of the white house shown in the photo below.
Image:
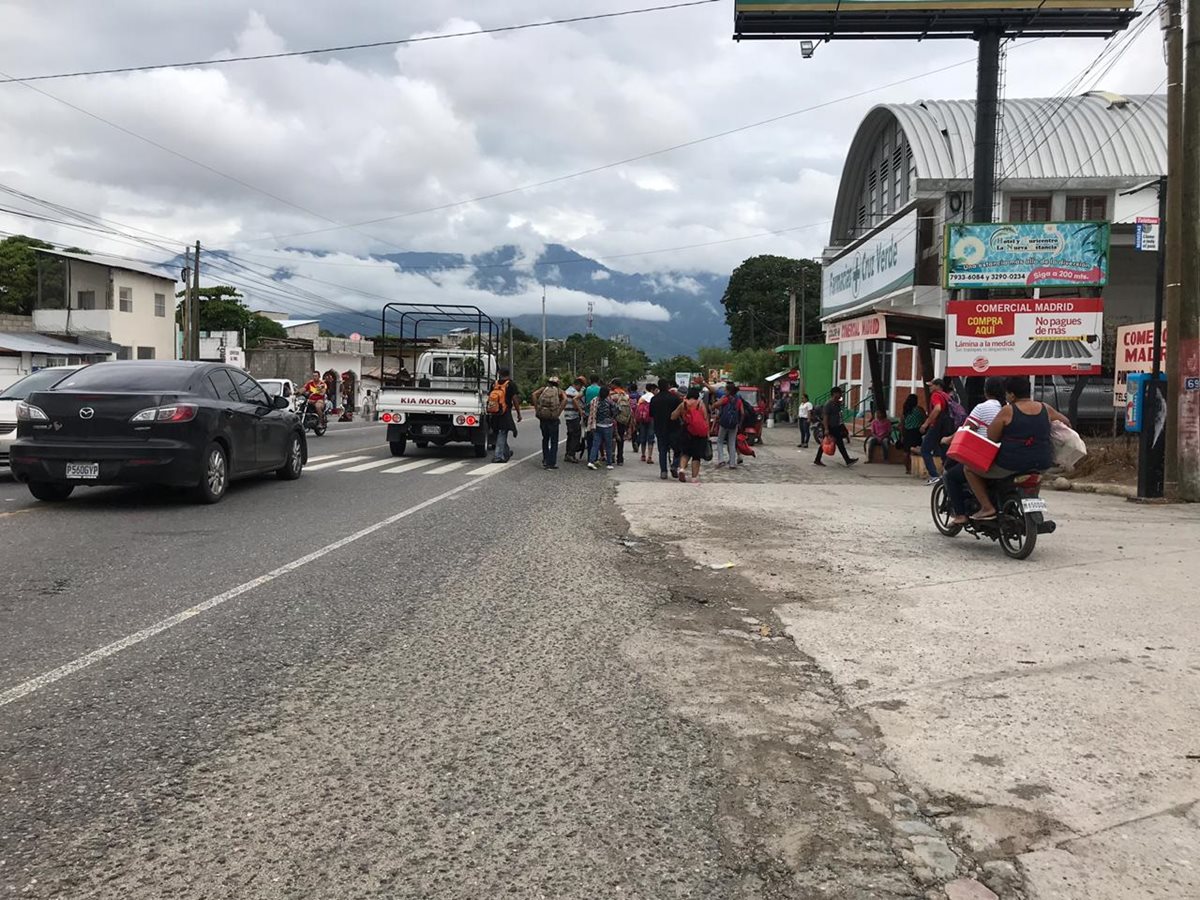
(84, 295)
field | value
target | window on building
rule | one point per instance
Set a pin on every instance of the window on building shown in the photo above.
(1029, 209)
(126, 299)
(1087, 209)
(160, 305)
(145, 352)
(87, 299)
(56, 361)
(125, 353)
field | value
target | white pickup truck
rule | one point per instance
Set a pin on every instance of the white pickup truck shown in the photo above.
(446, 405)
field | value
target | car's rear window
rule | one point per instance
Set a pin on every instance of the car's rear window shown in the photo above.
(128, 377)
(38, 381)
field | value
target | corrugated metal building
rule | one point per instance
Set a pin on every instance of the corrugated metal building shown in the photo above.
(909, 171)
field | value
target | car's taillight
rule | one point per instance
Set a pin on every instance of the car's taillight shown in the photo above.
(386, 418)
(471, 420)
(178, 412)
(28, 413)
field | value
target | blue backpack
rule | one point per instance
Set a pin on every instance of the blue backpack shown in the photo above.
(731, 413)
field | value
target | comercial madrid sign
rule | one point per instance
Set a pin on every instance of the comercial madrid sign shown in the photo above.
(1026, 254)
(884, 262)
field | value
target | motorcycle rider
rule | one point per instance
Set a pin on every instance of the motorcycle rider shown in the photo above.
(314, 392)
(955, 474)
(1022, 428)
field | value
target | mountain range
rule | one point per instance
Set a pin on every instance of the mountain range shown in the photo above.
(693, 299)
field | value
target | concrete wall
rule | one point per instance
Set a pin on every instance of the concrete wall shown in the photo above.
(294, 364)
(11, 324)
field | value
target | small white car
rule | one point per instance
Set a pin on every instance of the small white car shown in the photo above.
(280, 387)
(41, 380)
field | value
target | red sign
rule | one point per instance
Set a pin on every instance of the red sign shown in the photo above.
(866, 328)
(1055, 336)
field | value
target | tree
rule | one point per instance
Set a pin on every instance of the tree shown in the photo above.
(756, 300)
(19, 274)
(714, 357)
(221, 309)
(666, 368)
(753, 366)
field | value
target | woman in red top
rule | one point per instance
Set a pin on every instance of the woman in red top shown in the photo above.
(692, 445)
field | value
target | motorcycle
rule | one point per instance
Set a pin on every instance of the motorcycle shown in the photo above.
(313, 422)
(1020, 514)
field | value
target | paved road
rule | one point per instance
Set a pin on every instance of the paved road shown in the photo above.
(438, 708)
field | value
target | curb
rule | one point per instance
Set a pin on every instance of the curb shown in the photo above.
(1085, 487)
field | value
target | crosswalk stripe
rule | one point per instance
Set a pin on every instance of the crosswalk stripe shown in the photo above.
(482, 470)
(449, 467)
(317, 459)
(362, 467)
(336, 462)
(409, 466)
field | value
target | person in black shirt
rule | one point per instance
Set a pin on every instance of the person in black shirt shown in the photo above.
(835, 428)
(666, 430)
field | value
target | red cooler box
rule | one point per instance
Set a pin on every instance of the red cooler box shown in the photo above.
(972, 450)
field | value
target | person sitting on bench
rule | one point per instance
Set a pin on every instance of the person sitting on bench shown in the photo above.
(881, 434)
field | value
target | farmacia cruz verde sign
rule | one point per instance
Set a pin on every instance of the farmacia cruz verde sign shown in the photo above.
(884, 262)
(1026, 254)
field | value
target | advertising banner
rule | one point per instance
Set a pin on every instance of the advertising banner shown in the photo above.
(1026, 254)
(1058, 336)
(864, 328)
(1135, 353)
(854, 6)
(883, 262)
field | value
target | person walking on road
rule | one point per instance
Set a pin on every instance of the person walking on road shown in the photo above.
(645, 423)
(694, 444)
(549, 402)
(834, 428)
(730, 412)
(602, 421)
(590, 393)
(934, 428)
(803, 413)
(624, 417)
(574, 395)
(502, 404)
(666, 428)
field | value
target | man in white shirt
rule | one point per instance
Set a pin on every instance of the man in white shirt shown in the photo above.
(955, 475)
(571, 417)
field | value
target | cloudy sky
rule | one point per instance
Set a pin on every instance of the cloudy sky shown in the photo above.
(262, 156)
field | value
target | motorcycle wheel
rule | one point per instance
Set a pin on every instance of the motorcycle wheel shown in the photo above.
(1018, 532)
(939, 505)
(319, 427)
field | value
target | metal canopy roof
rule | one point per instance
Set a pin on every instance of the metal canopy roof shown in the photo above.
(39, 343)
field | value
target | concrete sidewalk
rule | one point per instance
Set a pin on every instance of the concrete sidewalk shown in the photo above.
(1050, 709)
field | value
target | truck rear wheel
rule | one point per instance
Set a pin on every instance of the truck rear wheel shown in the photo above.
(480, 451)
(398, 447)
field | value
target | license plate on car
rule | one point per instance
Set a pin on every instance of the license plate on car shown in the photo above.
(83, 470)
(430, 429)
(1032, 505)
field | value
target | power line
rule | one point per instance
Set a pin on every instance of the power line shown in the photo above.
(8, 79)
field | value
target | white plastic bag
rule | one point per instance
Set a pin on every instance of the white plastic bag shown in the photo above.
(1069, 447)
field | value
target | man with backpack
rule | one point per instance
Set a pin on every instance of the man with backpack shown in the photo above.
(645, 422)
(549, 402)
(575, 409)
(502, 402)
(624, 416)
(731, 412)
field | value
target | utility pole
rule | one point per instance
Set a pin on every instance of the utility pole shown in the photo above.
(792, 315)
(185, 323)
(1172, 231)
(543, 332)
(1186, 365)
(512, 355)
(194, 349)
(1151, 443)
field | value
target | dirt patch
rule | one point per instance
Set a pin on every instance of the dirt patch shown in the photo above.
(1109, 461)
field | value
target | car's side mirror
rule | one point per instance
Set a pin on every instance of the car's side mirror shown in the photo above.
(278, 402)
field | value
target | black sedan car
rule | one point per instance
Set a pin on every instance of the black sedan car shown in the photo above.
(184, 424)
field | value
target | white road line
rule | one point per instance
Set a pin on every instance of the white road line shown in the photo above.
(409, 466)
(482, 470)
(448, 467)
(48, 678)
(363, 467)
(316, 459)
(336, 462)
